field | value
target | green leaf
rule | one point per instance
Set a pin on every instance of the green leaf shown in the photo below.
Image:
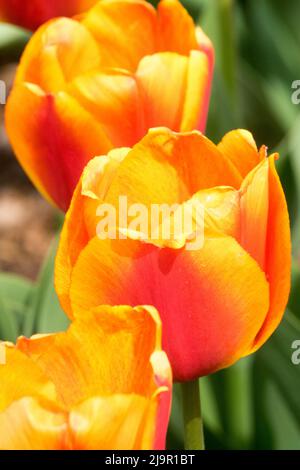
(233, 398)
(8, 324)
(274, 361)
(14, 294)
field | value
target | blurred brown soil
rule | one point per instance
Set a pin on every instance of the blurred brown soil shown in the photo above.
(27, 222)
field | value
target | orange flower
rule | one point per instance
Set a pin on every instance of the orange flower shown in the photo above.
(31, 14)
(104, 384)
(88, 85)
(218, 302)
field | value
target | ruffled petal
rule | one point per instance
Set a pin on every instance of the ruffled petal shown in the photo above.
(91, 352)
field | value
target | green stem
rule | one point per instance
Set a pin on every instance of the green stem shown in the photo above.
(192, 418)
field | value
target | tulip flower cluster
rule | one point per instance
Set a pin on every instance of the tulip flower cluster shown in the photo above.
(111, 104)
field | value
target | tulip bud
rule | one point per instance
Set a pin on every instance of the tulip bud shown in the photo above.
(87, 85)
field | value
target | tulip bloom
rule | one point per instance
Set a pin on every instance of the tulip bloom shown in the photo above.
(87, 85)
(104, 384)
(218, 302)
(31, 14)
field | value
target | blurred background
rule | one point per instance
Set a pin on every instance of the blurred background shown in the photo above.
(256, 403)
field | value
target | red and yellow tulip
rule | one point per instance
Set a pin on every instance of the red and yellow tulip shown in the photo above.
(104, 384)
(217, 303)
(100, 81)
(31, 14)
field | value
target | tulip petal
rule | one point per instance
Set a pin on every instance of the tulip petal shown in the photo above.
(165, 167)
(96, 180)
(58, 52)
(240, 148)
(13, 386)
(176, 102)
(114, 332)
(197, 93)
(162, 98)
(183, 285)
(254, 212)
(112, 98)
(278, 256)
(118, 422)
(176, 29)
(73, 236)
(49, 127)
(28, 425)
(125, 29)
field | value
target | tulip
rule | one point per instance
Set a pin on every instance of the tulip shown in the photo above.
(218, 302)
(31, 14)
(104, 384)
(87, 85)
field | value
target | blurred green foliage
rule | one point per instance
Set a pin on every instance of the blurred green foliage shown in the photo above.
(254, 404)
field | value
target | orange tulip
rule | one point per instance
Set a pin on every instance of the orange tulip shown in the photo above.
(101, 81)
(218, 302)
(104, 384)
(31, 14)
